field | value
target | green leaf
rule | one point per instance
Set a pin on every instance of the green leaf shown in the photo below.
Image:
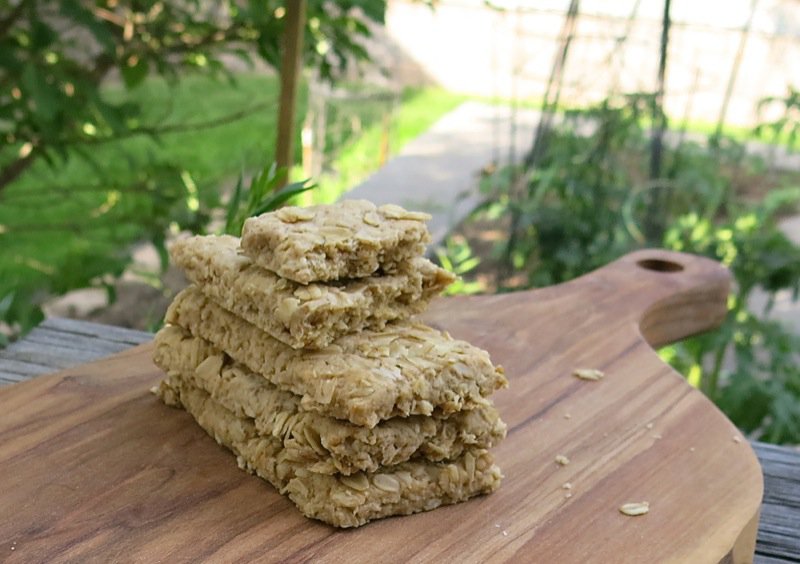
(777, 200)
(161, 248)
(5, 304)
(233, 223)
(113, 115)
(73, 10)
(111, 292)
(374, 10)
(42, 35)
(133, 75)
(43, 95)
(276, 199)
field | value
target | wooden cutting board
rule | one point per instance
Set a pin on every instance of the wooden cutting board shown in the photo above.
(94, 468)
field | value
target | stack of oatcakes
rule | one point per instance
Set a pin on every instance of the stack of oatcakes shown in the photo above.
(294, 347)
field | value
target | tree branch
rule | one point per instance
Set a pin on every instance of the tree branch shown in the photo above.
(176, 128)
(20, 199)
(78, 228)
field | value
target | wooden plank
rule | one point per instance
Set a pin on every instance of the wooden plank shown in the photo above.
(98, 330)
(96, 468)
(763, 559)
(56, 354)
(61, 343)
(779, 531)
(12, 370)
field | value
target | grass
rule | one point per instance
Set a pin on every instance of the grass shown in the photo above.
(65, 226)
(209, 155)
(419, 109)
(706, 128)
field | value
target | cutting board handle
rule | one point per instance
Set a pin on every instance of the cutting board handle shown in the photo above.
(664, 296)
(670, 295)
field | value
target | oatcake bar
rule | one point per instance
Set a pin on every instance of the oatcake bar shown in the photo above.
(305, 316)
(351, 239)
(405, 369)
(325, 445)
(342, 501)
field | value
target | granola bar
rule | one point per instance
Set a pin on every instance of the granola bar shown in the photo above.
(305, 316)
(405, 369)
(341, 501)
(350, 239)
(325, 445)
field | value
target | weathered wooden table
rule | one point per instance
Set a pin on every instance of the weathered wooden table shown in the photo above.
(61, 343)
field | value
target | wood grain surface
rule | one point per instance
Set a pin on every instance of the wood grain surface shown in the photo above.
(95, 469)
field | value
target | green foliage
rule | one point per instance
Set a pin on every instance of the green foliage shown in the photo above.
(49, 92)
(567, 211)
(586, 202)
(785, 128)
(265, 194)
(456, 256)
(96, 212)
(84, 172)
(761, 393)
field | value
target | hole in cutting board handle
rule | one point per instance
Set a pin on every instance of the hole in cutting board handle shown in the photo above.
(660, 265)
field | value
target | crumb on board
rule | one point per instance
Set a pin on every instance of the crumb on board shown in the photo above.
(588, 374)
(635, 508)
(562, 460)
(566, 486)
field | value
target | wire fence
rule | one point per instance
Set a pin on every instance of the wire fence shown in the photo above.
(739, 53)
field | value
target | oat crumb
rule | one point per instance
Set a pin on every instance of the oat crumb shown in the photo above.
(505, 533)
(737, 439)
(588, 374)
(634, 509)
(567, 416)
(562, 460)
(567, 495)
(649, 426)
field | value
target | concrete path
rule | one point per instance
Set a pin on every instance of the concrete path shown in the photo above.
(438, 172)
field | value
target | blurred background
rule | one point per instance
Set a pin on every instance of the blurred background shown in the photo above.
(547, 138)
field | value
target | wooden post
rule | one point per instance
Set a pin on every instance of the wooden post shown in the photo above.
(291, 61)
